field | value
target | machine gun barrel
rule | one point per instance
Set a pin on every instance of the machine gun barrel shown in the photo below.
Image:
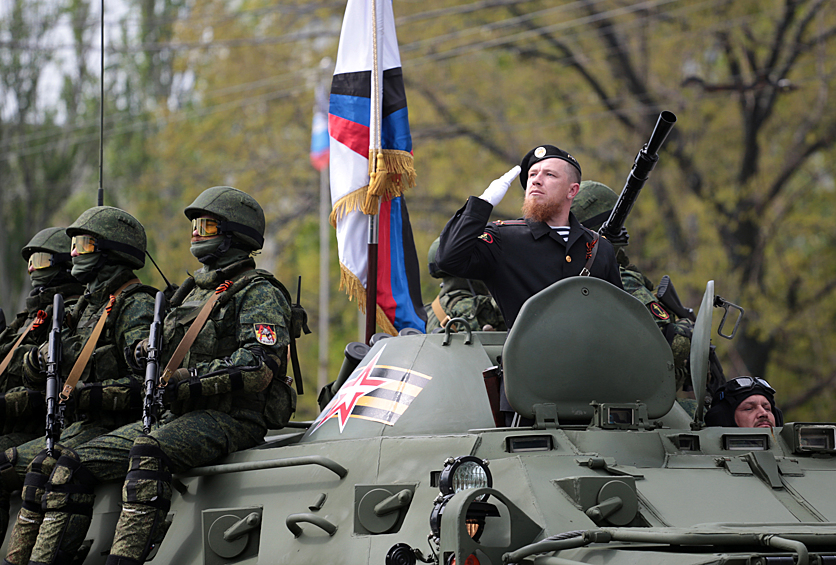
(53, 373)
(153, 397)
(642, 166)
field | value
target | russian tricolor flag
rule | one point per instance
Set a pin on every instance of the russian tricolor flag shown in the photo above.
(351, 120)
(320, 141)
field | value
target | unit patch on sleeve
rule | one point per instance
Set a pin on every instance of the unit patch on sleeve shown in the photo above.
(659, 312)
(265, 333)
(486, 237)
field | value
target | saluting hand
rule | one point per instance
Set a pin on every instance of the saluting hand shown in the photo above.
(497, 189)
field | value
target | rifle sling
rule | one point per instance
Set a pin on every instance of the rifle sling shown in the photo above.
(40, 317)
(90, 345)
(443, 318)
(191, 334)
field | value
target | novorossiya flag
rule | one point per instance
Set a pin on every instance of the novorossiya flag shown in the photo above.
(399, 303)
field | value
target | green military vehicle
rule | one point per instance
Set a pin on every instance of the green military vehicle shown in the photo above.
(406, 464)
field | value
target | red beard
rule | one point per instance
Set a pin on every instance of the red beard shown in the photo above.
(540, 210)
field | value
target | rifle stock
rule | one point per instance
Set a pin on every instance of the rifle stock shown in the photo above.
(54, 418)
(642, 166)
(153, 398)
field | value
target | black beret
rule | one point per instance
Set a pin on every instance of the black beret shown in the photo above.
(541, 153)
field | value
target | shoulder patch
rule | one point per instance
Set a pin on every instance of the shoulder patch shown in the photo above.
(486, 237)
(265, 333)
(659, 312)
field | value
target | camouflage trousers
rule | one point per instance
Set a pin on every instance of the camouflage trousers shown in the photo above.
(144, 463)
(20, 449)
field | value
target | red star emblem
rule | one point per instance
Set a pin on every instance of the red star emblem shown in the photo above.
(354, 388)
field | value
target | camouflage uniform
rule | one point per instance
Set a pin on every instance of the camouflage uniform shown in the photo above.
(592, 205)
(21, 411)
(676, 331)
(108, 395)
(475, 305)
(462, 298)
(231, 385)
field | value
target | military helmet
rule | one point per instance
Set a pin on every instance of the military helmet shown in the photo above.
(435, 272)
(593, 203)
(240, 214)
(115, 231)
(50, 240)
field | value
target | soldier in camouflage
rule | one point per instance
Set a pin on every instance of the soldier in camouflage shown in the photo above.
(113, 314)
(21, 410)
(461, 298)
(592, 206)
(49, 264)
(230, 386)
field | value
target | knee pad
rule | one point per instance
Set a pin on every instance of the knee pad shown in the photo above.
(37, 476)
(8, 476)
(70, 486)
(148, 480)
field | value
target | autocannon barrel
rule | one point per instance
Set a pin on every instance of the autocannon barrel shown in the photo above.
(642, 166)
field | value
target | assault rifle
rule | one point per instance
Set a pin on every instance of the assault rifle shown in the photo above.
(153, 392)
(645, 161)
(54, 409)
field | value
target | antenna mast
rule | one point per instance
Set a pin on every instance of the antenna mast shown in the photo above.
(100, 195)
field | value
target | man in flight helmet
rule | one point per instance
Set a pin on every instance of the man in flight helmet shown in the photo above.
(103, 327)
(745, 402)
(225, 388)
(461, 298)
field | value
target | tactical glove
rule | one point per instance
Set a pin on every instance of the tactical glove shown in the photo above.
(34, 373)
(141, 352)
(496, 190)
(620, 240)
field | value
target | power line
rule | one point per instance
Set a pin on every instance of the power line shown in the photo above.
(415, 61)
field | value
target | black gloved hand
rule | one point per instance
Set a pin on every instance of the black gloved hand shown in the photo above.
(619, 240)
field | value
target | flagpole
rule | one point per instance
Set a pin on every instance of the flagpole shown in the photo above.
(374, 147)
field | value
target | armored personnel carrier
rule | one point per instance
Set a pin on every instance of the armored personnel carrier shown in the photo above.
(406, 463)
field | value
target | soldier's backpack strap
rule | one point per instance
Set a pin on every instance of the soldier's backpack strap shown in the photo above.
(591, 252)
(90, 345)
(191, 335)
(40, 318)
(443, 318)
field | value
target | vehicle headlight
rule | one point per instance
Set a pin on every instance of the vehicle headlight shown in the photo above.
(464, 473)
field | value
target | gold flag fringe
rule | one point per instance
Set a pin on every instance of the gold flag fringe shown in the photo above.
(355, 290)
(348, 203)
(391, 172)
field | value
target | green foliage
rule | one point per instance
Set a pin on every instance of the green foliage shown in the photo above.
(221, 93)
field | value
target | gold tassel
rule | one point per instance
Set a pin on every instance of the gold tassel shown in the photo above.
(355, 290)
(393, 174)
(383, 322)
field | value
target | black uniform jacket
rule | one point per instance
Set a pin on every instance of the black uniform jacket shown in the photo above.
(517, 258)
